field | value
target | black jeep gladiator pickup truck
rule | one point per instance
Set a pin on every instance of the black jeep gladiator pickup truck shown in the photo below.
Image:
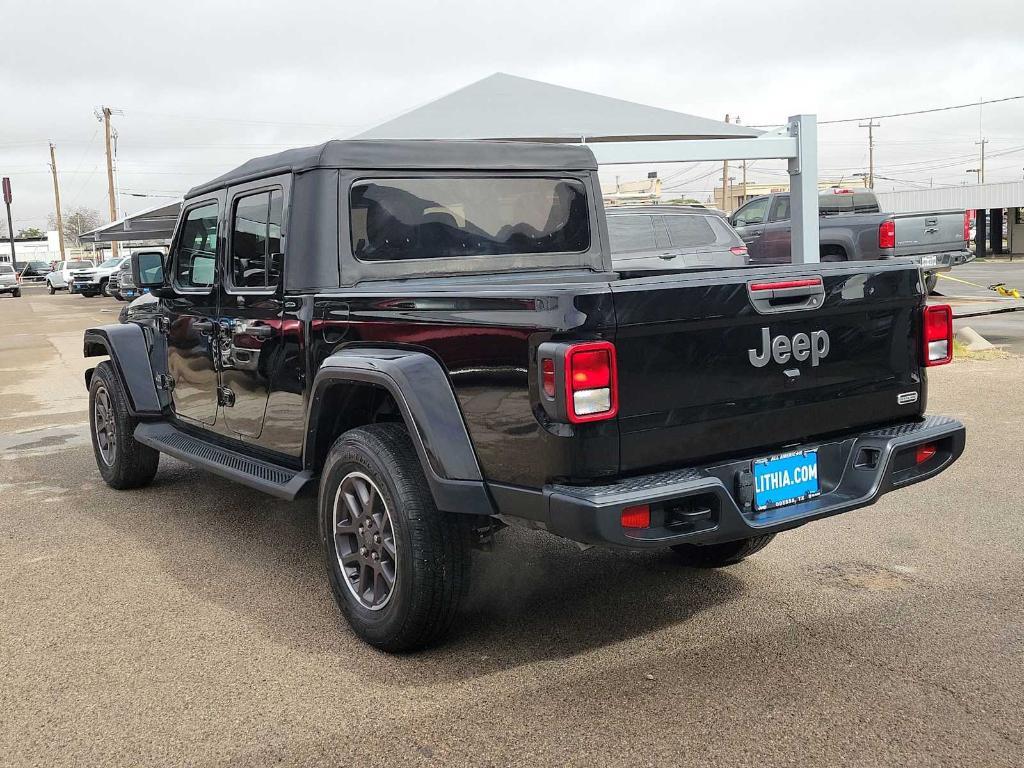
(429, 335)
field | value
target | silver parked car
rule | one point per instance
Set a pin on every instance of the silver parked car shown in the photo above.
(9, 281)
(670, 237)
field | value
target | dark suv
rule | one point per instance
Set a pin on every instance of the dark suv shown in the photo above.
(430, 338)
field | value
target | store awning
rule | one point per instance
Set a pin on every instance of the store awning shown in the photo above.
(515, 108)
(151, 224)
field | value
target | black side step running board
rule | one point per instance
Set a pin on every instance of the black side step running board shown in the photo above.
(282, 482)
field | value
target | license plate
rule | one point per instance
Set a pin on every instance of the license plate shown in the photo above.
(928, 261)
(785, 479)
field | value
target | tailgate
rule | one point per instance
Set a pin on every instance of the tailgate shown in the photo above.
(704, 373)
(918, 233)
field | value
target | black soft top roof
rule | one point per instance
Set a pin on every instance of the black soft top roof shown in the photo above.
(411, 155)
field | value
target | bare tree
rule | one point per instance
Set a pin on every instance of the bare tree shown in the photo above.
(76, 223)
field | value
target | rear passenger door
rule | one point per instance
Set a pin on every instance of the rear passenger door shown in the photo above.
(256, 340)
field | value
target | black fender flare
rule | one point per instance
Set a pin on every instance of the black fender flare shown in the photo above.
(129, 352)
(424, 395)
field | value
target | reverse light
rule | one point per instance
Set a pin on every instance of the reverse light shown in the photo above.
(591, 382)
(937, 334)
(925, 452)
(887, 234)
(636, 517)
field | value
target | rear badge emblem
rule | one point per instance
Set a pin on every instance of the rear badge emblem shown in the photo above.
(906, 398)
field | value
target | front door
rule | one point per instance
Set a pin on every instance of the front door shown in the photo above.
(748, 222)
(192, 313)
(253, 328)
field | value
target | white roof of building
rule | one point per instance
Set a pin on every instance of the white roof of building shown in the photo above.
(515, 108)
(1009, 194)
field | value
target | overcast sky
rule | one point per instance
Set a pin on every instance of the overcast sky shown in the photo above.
(205, 85)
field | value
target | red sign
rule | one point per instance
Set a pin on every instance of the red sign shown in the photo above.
(7, 190)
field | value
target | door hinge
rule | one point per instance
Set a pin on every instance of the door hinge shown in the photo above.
(164, 382)
(225, 397)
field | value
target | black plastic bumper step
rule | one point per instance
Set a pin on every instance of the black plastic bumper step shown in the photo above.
(282, 482)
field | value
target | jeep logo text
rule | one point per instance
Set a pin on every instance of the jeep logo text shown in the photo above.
(782, 348)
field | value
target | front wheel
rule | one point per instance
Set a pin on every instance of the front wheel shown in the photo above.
(122, 460)
(50, 288)
(16, 293)
(105, 289)
(723, 554)
(398, 566)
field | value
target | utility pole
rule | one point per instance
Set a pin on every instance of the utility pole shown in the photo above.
(56, 198)
(6, 184)
(981, 168)
(870, 125)
(725, 182)
(110, 173)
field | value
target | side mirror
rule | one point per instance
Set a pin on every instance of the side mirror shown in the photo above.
(148, 269)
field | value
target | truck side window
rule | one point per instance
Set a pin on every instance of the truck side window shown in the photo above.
(780, 209)
(256, 240)
(195, 257)
(752, 213)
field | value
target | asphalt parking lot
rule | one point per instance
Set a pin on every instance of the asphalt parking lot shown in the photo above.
(191, 622)
(1004, 329)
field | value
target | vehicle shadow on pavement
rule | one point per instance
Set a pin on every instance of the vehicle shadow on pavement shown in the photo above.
(534, 597)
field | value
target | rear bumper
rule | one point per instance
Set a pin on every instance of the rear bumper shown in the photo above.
(942, 262)
(700, 505)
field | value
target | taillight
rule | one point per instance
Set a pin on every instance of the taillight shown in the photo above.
(938, 334)
(967, 226)
(738, 250)
(591, 385)
(887, 234)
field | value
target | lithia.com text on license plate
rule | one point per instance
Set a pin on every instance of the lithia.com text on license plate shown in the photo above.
(785, 479)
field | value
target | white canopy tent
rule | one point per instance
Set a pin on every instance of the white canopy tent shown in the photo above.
(156, 223)
(505, 107)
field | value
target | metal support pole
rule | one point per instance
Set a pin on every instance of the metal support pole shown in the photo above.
(803, 190)
(995, 230)
(980, 230)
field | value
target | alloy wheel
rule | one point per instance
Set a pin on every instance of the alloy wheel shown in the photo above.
(364, 540)
(104, 426)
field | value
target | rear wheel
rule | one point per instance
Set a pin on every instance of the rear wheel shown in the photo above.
(719, 555)
(832, 253)
(16, 293)
(122, 460)
(397, 565)
(930, 281)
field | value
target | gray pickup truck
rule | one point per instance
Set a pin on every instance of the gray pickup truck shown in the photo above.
(853, 228)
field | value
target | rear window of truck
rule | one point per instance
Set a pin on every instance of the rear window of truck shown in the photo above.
(438, 218)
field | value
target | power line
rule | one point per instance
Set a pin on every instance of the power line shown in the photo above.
(906, 114)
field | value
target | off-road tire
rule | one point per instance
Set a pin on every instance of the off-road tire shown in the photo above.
(133, 464)
(931, 279)
(432, 548)
(50, 288)
(720, 555)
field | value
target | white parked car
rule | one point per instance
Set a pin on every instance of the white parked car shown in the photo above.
(93, 281)
(9, 281)
(60, 278)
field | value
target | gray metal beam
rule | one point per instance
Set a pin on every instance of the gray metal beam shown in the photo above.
(803, 190)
